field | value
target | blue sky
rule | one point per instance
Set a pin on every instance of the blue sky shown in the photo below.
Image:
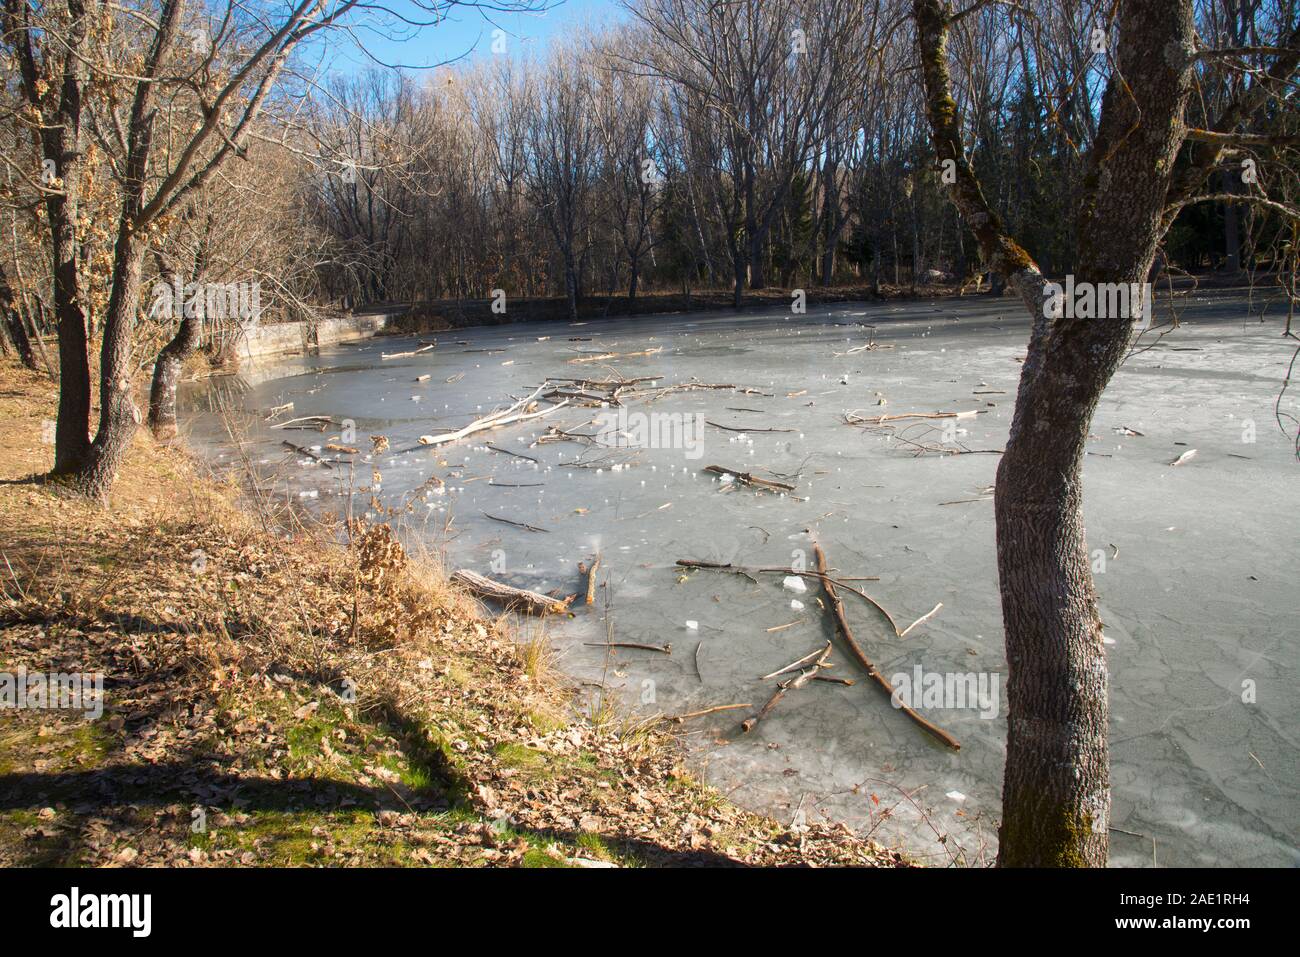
(469, 30)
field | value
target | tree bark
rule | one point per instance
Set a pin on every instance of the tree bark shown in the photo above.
(571, 286)
(118, 414)
(166, 372)
(15, 332)
(62, 142)
(1056, 786)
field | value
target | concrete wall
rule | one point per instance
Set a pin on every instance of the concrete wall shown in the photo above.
(299, 336)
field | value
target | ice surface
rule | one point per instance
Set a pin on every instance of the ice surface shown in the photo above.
(1195, 564)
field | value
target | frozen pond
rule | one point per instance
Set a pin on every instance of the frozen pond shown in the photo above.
(1195, 562)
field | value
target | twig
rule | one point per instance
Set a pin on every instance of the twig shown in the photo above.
(728, 428)
(679, 718)
(307, 452)
(404, 355)
(796, 682)
(794, 664)
(518, 455)
(506, 521)
(750, 480)
(665, 649)
(924, 618)
(321, 420)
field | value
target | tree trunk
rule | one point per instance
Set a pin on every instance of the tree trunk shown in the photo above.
(15, 331)
(738, 268)
(757, 274)
(166, 371)
(1231, 226)
(571, 287)
(118, 414)
(72, 431)
(1056, 786)
(62, 142)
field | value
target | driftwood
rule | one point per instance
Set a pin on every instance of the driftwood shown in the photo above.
(582, 398)
(820, 575)
(508, 595)
(508, 521)
(793, 665)
(404, 355)
(842, 624)
(750, 571)
(307, 452)
(618, 355)
(679, 718)
(518, 455)
(853, 419)
(514, 413)
(319, 422)
(591, 580)
(662, 649)
(732, 428)
(609, 385)
(480, 425)
(801, 679)
(750, 480)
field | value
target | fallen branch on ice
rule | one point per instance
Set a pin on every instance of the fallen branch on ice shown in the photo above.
(750, 480)
(507, 594)
(842, 625)
(515, 413)
(792, 684)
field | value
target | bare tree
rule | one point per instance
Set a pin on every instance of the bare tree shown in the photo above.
(228, 60)
(562, 160)
(1056, 791)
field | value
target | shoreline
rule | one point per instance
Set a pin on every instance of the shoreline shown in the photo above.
(309, 706)
(403, 320)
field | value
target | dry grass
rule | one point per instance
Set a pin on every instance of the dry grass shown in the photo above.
(311, 703)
